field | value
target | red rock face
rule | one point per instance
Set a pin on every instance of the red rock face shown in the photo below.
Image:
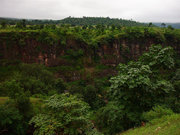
(112, 54)
(50, 55)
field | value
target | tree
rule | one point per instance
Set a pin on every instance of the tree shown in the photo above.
(21, 24)
(90, 95)
(163, 25)
(23, 104)
(150, 24)
(32, 79)
(3, 24)
(176, 82)
(10, 120)
(170, 27)
(139, 86)
(142, 79)
(113, 27)
(109, 119)
(84, 27)
(20, 99)
(60, 86)
(65, 114)
(158, 58)
(41, 26)
(119, 27)
(19, 103)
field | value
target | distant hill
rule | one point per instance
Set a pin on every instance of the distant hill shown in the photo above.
(78, 21)
(85, 21)
(100, 20)
(13, 21)
(174, 25)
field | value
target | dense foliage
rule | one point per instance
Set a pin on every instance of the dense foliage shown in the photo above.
(65, 114)
(137, 88)
(81, 94)
(100, 20)
(76, 21)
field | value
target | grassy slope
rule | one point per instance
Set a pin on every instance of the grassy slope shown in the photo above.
(168, 125)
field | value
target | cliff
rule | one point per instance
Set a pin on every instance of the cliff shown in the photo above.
(77, 54)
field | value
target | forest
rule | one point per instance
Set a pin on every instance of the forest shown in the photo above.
(85, 21)
(76, 21)
(90, 77)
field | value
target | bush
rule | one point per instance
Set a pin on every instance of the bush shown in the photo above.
(109, 119)
(64, 114)
(22, 103)
(156, 113)
(10, 120)
(60, 86)
(31, 78)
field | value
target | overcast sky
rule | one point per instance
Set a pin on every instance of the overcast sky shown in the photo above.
(138, 10)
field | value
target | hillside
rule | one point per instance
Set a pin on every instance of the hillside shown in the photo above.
(14, 21)
(100, 20)
(85, 21)
(77, 21)
(90, 79)
(78, 49)
(169, 125)
(174, 25)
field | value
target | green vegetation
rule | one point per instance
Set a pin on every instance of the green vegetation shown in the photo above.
(65, 114)
(167, 125)
(137, 88)
(74, 21)
(99, 20)
(64, 79)
(3, 100)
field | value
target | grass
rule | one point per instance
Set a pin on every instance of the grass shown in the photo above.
(32, 100)
(167, 125)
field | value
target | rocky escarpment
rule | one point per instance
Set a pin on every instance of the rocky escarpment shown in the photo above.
(28, 47)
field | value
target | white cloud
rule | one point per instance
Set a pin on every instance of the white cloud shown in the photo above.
(139, 10)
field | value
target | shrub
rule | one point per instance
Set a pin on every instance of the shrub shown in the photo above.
(156, 113)
(109, 119)
(10, 120)
(65, 114)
